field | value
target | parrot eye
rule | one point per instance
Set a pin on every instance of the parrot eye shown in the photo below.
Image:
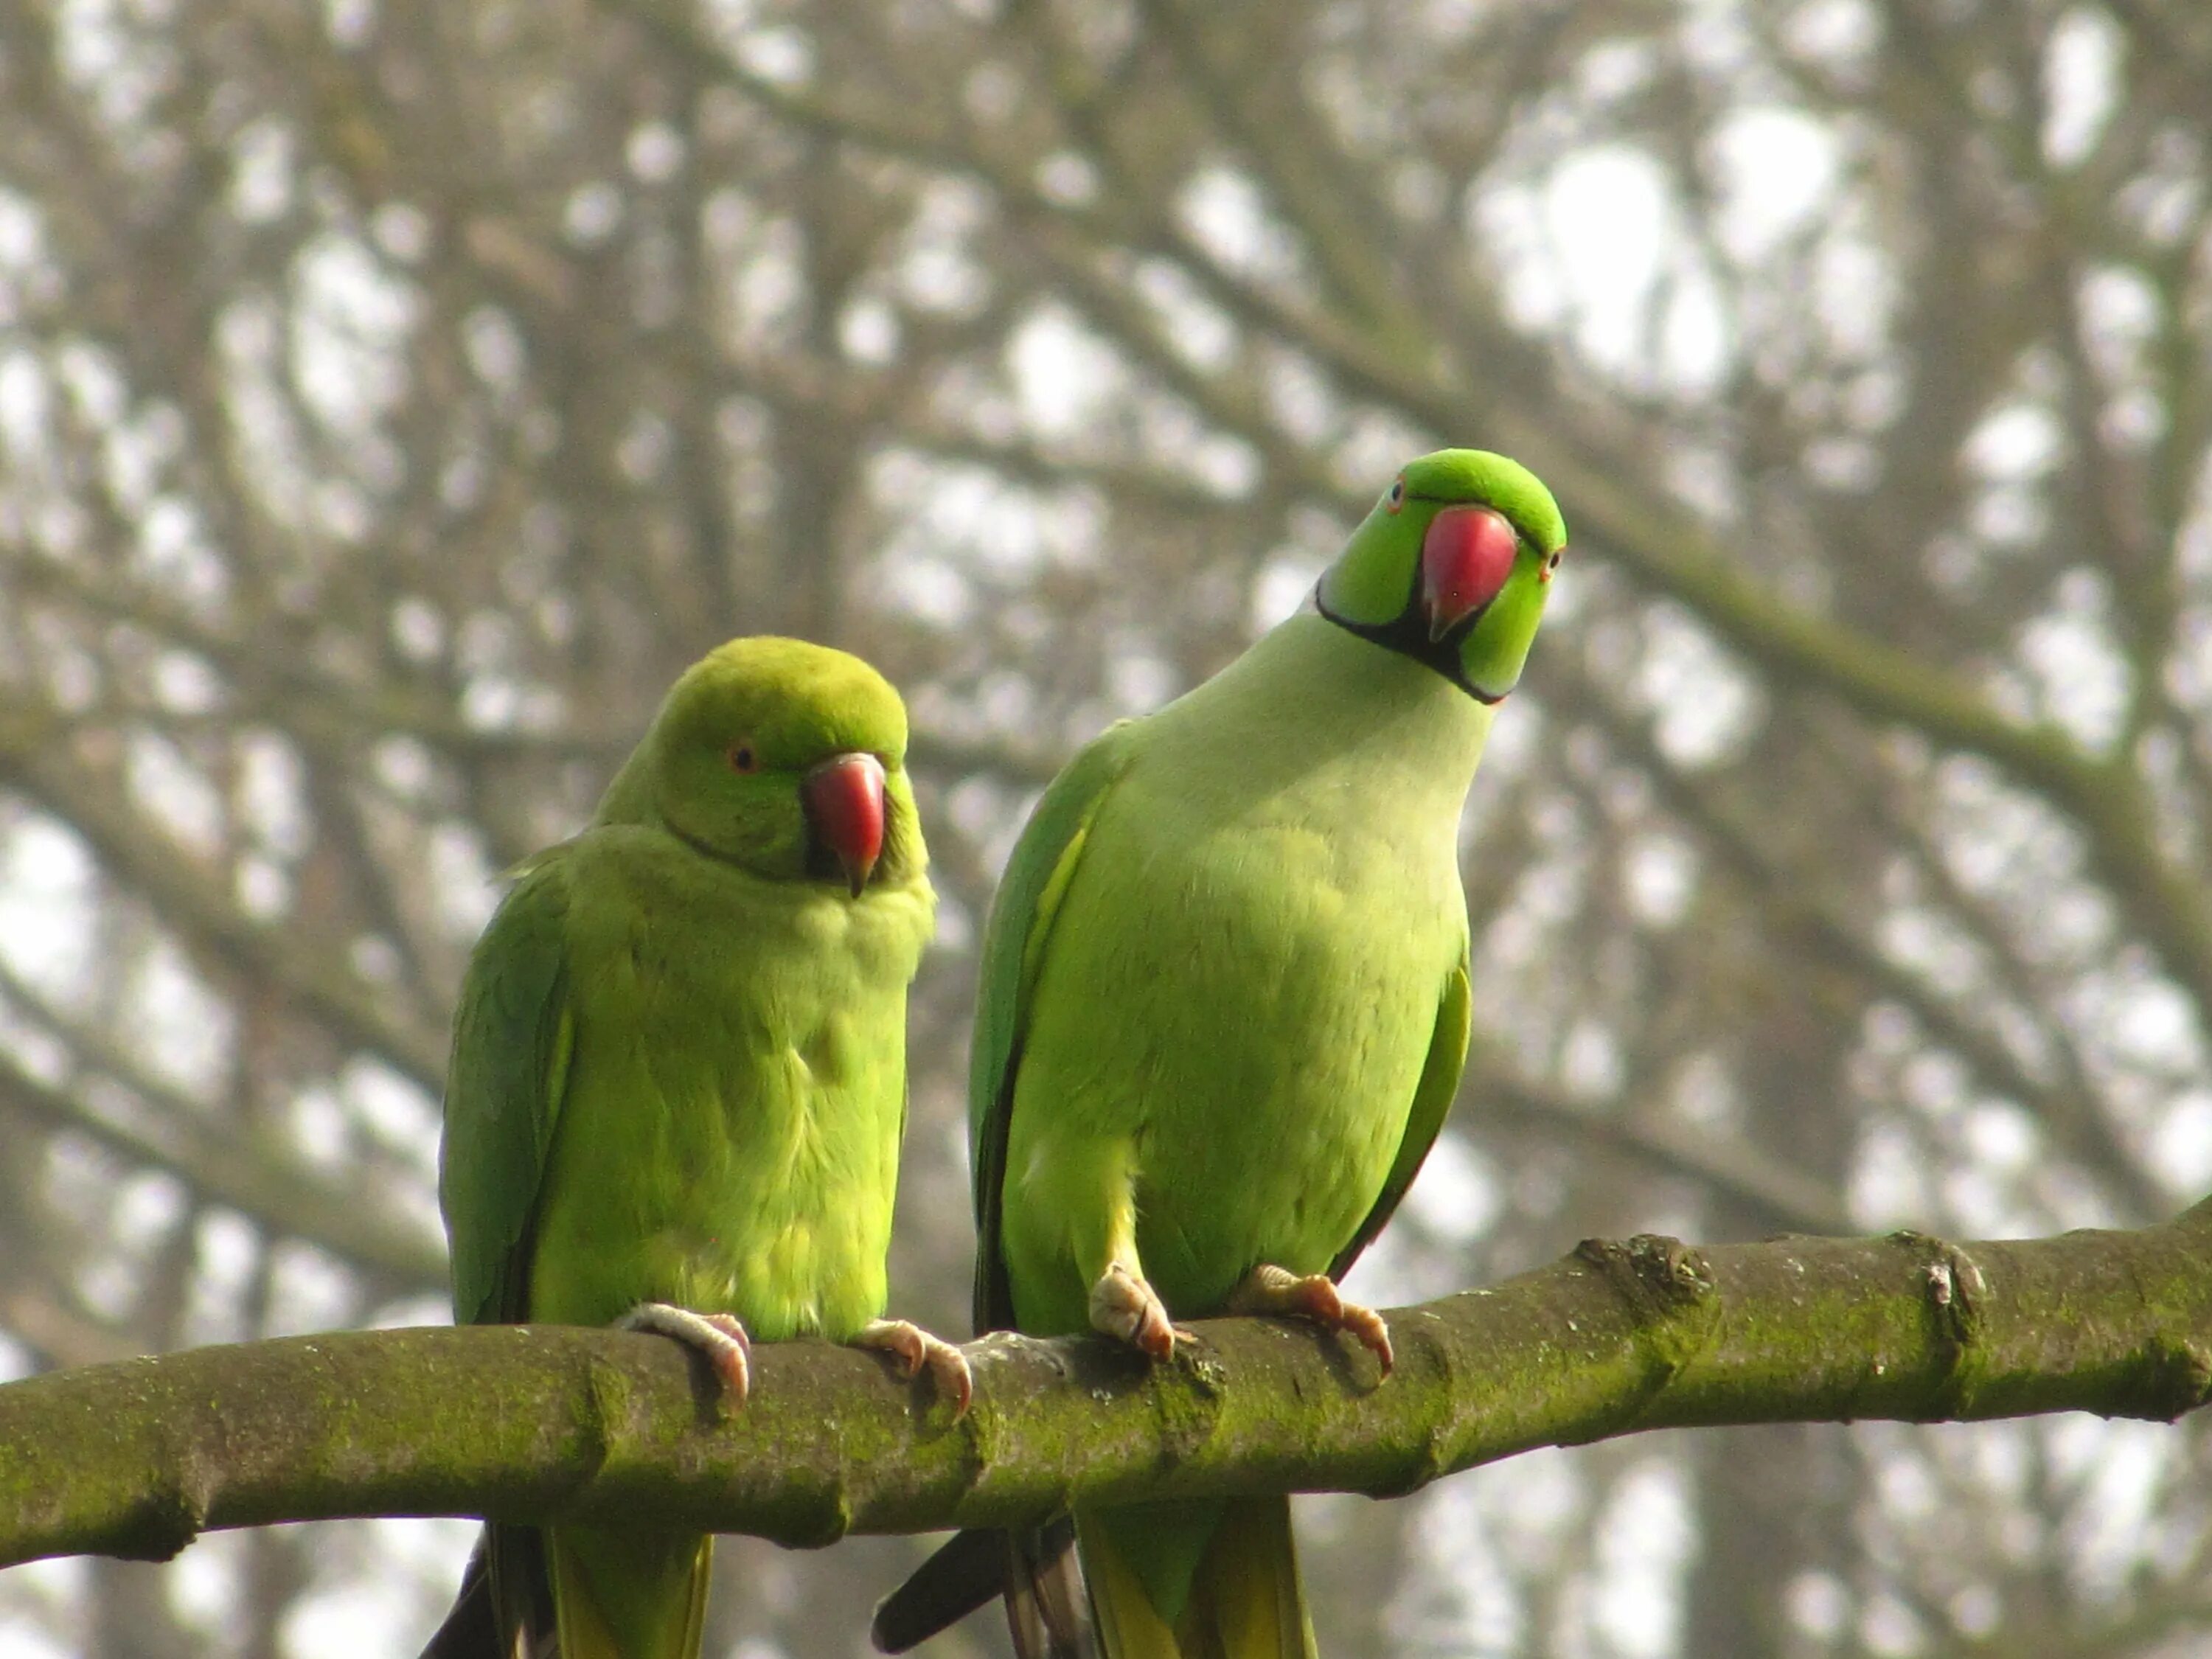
(1397, 498)
(1550, 565)
(743, 759)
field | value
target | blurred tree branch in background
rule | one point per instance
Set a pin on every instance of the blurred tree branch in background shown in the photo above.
(393, 397)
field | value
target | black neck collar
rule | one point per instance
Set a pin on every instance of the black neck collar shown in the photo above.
(1408, 634)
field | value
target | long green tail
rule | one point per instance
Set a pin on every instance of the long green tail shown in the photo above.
(633, 1594)
(1196, 1581)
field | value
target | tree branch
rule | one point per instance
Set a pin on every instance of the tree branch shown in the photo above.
(257, 1176)
(1780, 1195)
(191, 903)
(537, 1423)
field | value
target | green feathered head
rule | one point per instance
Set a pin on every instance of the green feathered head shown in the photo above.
(1452, 567)
(784, 759)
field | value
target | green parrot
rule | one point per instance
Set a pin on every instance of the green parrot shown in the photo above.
(1223, 1011)
(678, 1082)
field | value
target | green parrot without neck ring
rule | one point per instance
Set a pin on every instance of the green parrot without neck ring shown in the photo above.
(1224, 1007)
(678, 1082)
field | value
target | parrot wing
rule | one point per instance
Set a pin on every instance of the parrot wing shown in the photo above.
(1432, 1099)
(513, 1033)
(1036, 880)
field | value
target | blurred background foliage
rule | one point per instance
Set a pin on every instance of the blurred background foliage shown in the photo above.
(394, 396)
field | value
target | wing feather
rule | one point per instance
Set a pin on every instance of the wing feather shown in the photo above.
(1432, 1100)
(514, 1032)
(1043, 863)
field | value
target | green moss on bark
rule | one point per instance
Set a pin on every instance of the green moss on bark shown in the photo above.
(542, 1423)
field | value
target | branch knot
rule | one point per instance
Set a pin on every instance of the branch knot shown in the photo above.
(1669, 1287)
(1956, 1289)
(2178, 1378)
(1659, 1275)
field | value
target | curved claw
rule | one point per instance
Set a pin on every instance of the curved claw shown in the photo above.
(719, 1336)
(1125, 1307)
(911, 1348)
(1272, 1290)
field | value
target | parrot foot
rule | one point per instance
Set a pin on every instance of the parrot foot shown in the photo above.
(1271, 1290)
(718, 1336)
(1123, 1306)
(913, 1348)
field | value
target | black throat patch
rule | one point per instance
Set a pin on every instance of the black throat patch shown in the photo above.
(1408, 634)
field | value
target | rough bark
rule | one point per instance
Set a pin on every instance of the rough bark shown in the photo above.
(529, 1423)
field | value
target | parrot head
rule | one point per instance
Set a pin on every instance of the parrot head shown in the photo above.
(1452, 567)
(785, 759)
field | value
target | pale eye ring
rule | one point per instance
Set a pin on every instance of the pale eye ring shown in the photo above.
(743, 757)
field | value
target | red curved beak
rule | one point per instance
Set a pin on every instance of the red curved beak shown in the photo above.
(843, 798)
(1465, 557)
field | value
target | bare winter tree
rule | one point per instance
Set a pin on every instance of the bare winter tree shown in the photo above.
(394, 396)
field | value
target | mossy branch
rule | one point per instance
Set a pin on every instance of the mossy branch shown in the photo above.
(535, 1423)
